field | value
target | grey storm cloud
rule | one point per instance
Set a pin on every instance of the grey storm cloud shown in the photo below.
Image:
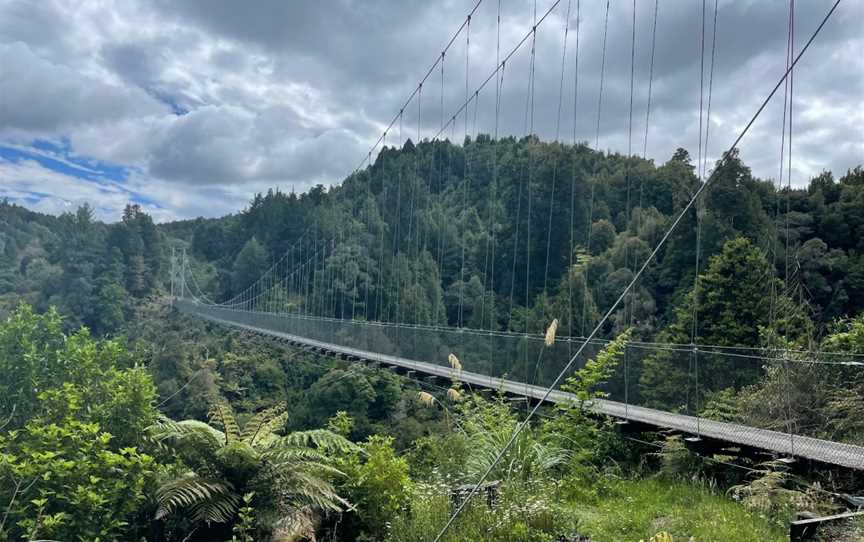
(38, 96)
(222, 98)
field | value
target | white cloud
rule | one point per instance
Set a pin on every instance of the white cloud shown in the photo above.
(41, 98)
(293, 94)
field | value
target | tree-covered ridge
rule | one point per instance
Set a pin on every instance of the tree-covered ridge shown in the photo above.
(91, 271)
(400, 228)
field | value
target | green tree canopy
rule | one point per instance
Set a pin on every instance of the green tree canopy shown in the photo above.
(250, 263)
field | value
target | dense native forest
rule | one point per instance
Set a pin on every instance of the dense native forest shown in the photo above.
(121, 419)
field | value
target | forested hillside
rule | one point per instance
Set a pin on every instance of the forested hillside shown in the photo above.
(94, 273)
(425, 210)
(428, 203)
(278, 443)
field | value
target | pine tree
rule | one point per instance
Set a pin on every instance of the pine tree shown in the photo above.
(732, 307)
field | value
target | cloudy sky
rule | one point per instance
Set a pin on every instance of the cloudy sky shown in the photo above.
(189, 107)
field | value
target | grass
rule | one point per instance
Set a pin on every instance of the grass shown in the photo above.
(638, 509)
(610, 510)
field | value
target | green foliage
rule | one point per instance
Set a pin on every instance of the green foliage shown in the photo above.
(69, 462)
(722, 405)
(290, 475)
(248, 265)
(140, 244)
(377, 484)
(67, 481)
(341, 423)
(84, 267)
(772, 491)
(639, 509)
(438, 455)
(824, 399)
(602, 236)
(590, 438)
(514, 515)
(245, 525)
(404, 262)
(51, 375)
(584, 384)
(846, 337)
(731, 312)
(371, 396)
(388, 250)
(487, 427)
(677, 461)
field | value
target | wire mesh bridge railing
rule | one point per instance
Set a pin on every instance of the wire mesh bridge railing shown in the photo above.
(522, 365)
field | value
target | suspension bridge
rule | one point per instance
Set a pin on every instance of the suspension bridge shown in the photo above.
(425, 350)
(309, 299)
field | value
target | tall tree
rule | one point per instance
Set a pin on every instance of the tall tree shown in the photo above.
(732, 307)
(249, 264)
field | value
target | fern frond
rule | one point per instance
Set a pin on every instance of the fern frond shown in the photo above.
(293, 473)
(549, 456)
(297, 524)
(192, 491)
(198, 434)
(264, 424)
(311, 488)
(321, 439)
(222, 414)
(219, 509)
(284, 454)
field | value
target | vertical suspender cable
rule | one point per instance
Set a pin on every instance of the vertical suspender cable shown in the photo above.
(627, 213)
(530, 142)
(554, 179)
(464, 177)
(440, 211)
(381, 316)
(557, 136)
(573, 183)
(694, 331)
(490, 224)
(790, 51)
(647, 121)
(494, 199)
(529, 113)
(594, 180)
(418, 184)
(370, 201)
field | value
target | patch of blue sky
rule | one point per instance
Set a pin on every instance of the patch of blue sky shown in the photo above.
(60, 160)
(57, 156)
(173, 102)
(144, 200)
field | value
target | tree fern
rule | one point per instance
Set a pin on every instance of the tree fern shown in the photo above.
(488, 427)
(288, 475)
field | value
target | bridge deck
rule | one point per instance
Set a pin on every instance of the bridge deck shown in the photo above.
(834, 453)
